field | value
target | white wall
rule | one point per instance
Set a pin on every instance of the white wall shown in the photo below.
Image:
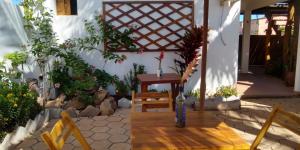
(9, 41)
(222, 58)
(222, 55)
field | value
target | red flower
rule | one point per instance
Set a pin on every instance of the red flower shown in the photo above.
(161, 56)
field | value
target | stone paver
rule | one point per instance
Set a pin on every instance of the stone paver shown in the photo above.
(29, 142)
(100, 145)
(118, 138)
(120, 146)
(116, 131)
(113, 132)
(115, 124)
(100, 129)
(114, 118)
(39, 146)
(100, 136)
(75, 143)
(100, 123)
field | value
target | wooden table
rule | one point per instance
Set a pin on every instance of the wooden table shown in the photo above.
(156, 130)
(171, 78)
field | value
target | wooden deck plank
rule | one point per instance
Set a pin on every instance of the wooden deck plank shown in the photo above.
(152, 130)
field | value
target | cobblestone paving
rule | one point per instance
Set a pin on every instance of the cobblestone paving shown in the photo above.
(101, 132)
(113, 132)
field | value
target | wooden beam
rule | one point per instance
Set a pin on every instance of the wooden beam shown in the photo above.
(204, 55)
(255, 4)
(297, 78)
(268, 40)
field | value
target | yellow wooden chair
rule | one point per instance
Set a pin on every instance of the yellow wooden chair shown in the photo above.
(62, 129)
(152, 100)
(281, 117)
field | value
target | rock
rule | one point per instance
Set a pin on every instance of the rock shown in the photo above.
(53, 94)
(57, 103)
(40, 101)
(33, 85)
(100, 96)
(108, 106)
(89, 111)
(124, 103)
(75, 103)
(72, 112)
(112, 102)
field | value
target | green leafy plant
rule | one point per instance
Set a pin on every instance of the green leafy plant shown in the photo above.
(88, 83)
(194, 93)
(17, 106)
(74, 62)
(38, 23)
(86, 99)
(121, 88)
(100, 32)
(226, 91)
(17, 58)
(131, 79)
(104, 79)
(192, 41)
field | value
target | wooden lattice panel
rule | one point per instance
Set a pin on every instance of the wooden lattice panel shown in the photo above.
(158, 25)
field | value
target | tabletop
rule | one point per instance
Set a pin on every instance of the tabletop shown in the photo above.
(165, 78)
(156, 130)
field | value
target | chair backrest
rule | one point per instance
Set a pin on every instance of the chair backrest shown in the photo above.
(62, 129)
(155, 101)
(281, 117)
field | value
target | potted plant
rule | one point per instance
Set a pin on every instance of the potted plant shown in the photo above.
(131, 79)
(192, 97)
(226, 98)
(159, 71)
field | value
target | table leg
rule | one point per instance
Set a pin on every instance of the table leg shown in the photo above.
(144, 88)
(174, 93)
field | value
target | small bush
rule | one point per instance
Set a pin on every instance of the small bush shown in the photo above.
(17, 106)
(194, 93)
(131, 79)
(226, 91)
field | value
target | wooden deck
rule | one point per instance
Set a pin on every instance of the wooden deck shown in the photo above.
(156, 130)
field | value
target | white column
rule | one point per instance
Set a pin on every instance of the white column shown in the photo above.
(246, 41)
(297, 79)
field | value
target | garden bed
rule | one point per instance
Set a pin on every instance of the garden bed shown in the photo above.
(23, 132)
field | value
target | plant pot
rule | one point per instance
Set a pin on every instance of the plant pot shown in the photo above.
(289, 78)
(191, 100)
(221, 103)
(158, 73)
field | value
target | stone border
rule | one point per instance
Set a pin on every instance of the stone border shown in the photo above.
(220, 103)
(22, 133)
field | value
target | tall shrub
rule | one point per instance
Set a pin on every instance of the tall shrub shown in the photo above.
(192, 41)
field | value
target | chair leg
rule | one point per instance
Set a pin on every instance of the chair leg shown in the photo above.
(144, 108)
(170, 101)
(132, 101)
